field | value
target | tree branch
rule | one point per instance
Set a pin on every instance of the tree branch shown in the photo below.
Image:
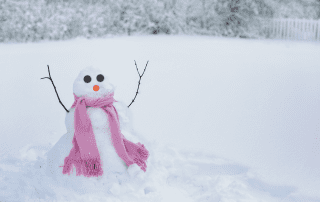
(54, 88)
(140, 76)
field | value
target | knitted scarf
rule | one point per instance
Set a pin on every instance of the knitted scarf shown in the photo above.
(84, 154)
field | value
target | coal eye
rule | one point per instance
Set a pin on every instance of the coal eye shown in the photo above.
(100, 78)
(87, 79)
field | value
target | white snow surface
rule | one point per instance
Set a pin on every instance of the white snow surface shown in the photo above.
(223, 119)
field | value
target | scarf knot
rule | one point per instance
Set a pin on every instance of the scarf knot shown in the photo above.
(101, 102)
(85, 155)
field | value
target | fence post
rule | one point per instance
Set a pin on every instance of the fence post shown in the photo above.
(281, 28)
(309, 30)
(288, 28)
(292, 29)
(298, 29)
(302, 30)
(295, 29)
(304, 24)
(293, 33)
(278, 29)
(318, 30)
(312, 30)
(275, 35)
(306, 30)
(284, 22)
(274, 28)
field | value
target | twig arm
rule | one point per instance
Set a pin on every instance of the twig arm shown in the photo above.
(145, 68)
(54, 88)
(140, 76)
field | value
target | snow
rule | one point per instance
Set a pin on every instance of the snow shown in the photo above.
(223, 119)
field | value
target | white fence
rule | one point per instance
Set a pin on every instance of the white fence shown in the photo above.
(293, 29)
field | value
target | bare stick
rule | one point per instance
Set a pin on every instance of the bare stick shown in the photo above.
(54, 88)
(139, 80)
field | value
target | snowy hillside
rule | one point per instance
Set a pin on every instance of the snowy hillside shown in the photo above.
(223, 119)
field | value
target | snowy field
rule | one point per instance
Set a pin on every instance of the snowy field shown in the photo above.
(224, 119)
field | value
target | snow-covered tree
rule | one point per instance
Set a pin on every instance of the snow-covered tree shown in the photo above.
(241, 17)
(36, 20)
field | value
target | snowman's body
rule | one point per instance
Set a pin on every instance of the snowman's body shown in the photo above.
(112, 165)
(110, 160)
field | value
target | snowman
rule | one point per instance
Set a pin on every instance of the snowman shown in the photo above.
(94, 148)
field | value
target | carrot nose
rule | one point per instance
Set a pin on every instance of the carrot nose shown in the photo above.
(95, 87)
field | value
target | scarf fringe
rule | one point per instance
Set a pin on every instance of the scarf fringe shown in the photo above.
(137, 152)
(88, 168)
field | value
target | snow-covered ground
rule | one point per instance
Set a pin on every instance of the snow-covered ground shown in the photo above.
(224, 119)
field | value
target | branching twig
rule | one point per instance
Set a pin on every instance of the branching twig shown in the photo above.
(54, 88)
(139, 80)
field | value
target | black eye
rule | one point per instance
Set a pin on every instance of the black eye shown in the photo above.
(100, 78)
(87, 79)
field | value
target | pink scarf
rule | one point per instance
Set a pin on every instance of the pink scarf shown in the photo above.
(85, 155)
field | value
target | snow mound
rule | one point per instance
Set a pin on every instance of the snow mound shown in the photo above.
(172, 175)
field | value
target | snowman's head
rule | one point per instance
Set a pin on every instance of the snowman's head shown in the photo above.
(91, 82)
